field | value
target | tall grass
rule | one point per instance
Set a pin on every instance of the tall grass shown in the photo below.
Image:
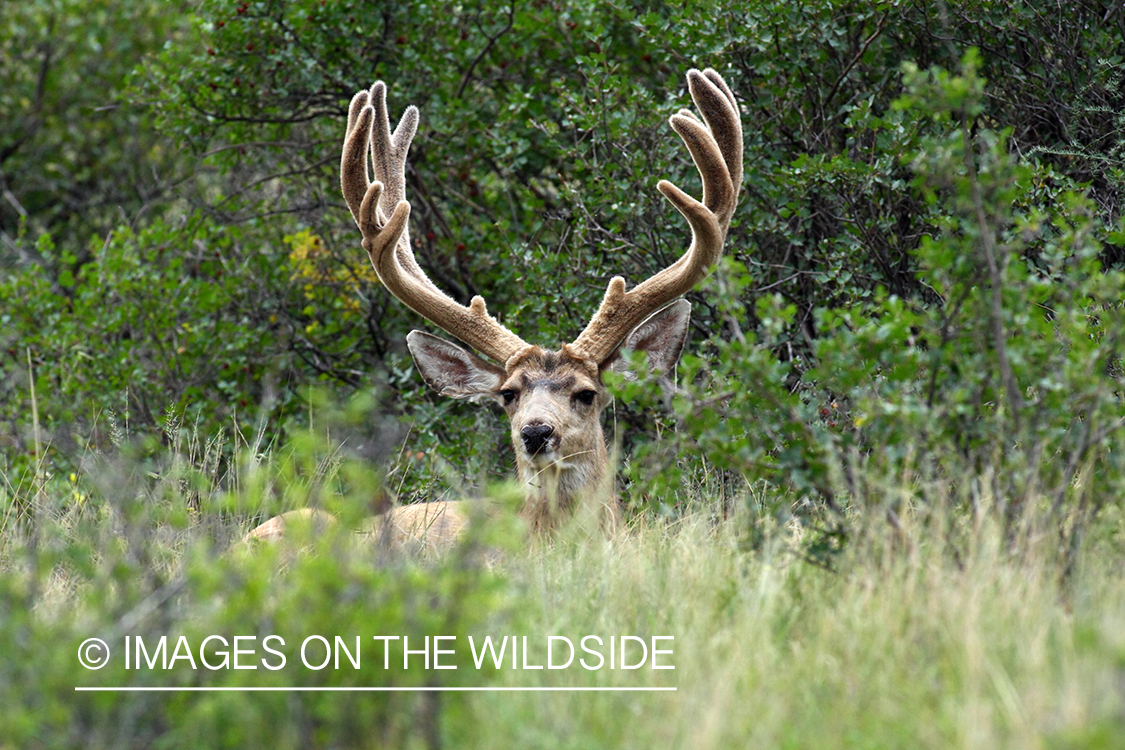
(917, 638)
(905, 645)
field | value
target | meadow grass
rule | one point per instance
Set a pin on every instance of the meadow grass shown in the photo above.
(904, 645)
(917, 638)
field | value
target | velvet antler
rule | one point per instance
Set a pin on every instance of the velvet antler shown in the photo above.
(716, 147)
(381, 212)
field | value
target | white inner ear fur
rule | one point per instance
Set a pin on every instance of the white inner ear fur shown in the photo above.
(661, 335)
(451, 370)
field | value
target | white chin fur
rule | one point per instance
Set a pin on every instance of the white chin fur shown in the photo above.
(543, 459)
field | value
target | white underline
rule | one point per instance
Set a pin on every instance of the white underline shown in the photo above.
(111, 689)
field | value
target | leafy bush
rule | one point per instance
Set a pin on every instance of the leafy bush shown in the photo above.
(1005, 391)
(160, 321)
(78, 155)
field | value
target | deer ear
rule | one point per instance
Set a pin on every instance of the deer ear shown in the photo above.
(662, 335)
(451, 370)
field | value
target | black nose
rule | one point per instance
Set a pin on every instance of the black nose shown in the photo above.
(535, 436)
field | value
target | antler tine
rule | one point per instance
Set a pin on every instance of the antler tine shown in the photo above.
(382, 214)
(715, 144)
(728, 135)
(354, 181)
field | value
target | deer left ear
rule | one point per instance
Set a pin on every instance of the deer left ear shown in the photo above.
(451, 370)
(661, 335)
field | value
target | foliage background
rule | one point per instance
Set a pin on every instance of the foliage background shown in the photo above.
(193, 158)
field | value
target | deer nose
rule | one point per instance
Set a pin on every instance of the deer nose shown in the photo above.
(535, 436)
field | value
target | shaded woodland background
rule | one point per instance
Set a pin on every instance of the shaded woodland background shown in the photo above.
(174, 253)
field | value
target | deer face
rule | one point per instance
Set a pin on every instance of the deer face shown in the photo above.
(554, 399)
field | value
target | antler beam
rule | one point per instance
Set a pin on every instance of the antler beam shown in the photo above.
(381, 211)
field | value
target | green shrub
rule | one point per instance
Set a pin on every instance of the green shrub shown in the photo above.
(543, 131)
(163, 321)
(1005, 391)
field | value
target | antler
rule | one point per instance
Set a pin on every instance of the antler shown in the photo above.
(387, 240)
(716, 148)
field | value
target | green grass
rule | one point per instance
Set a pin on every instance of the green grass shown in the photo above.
(915, 640)
(901, 647)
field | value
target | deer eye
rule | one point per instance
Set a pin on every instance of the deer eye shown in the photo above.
(586, 397)
(509, 395)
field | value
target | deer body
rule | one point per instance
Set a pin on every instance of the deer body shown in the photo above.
(554, 398)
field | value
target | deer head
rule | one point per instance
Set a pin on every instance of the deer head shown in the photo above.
(554, 398)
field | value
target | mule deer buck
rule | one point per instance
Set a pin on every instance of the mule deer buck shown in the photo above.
(554, 398)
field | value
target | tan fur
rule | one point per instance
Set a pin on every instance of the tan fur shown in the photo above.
(425, 525)
(438, 524)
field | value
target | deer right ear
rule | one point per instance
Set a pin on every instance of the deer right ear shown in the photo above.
(451, 370)
(662, 336)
